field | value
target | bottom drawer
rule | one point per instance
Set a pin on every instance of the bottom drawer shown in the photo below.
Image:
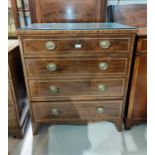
(12, 119)
(81, 110)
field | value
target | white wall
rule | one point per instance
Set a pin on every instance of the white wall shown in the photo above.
(127, 2)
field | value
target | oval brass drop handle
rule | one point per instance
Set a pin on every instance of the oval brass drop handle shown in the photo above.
(50, 45)
(53, 89)
(103, 66)
(100, 110)
(55, 112)
(102, 87)
(51, 67)
(105, 44)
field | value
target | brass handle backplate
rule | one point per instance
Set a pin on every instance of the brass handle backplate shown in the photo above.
(55, 112)
(51, 67)
(53, 89)
(50, 45)
(102, 87)
(105, 44)
(100, 110)
(103, 66)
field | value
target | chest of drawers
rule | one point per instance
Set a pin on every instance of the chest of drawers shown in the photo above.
(76, 73)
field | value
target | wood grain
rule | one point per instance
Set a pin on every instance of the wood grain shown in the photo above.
(142, 45)
(10, 94)
(17, 105)
(70, 110)
(137, 110)
(64, 45)
(49, 11)
(135, 15)
(76, 89)
(12, 118)
(130, 14)
(37, 67)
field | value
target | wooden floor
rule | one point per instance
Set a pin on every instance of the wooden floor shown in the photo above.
(93, 139)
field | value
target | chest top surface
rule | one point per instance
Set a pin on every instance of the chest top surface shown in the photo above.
(77, 27)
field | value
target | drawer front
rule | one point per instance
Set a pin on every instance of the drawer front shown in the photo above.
(63, 46)
(84, 110)
(50, 68)
(12, 119)
(10, 95)
(76, 89)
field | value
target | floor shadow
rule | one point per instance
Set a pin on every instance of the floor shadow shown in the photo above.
(105, 139)
(135, 140)
(92, 139)
(40, 141)
(17, 145)
(68, 140)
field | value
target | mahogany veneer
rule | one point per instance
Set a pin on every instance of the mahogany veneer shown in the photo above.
(49, 11)
(77, 110)
(137, 106)
(135, 15)
(68, 66)
(77, 73)
(130, 14)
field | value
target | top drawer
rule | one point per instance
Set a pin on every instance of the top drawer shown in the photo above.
(62, 46)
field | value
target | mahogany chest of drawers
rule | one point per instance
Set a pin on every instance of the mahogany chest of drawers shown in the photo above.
(18, 110)
(76, 72)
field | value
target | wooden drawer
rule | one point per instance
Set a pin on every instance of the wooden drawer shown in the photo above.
(73, 67)
(10, 95)
(70, 110)
(12, 119)
(76, 89)
(65, 45)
